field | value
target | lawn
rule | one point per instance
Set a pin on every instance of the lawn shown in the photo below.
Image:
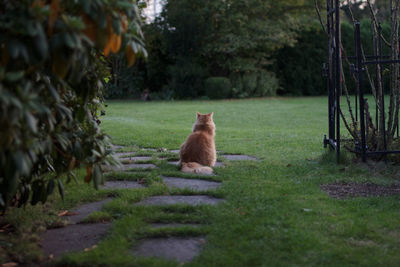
(275, 213)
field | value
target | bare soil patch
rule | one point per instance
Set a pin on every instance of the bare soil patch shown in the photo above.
(348, 190)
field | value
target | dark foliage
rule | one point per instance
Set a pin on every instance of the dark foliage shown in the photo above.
(51, 90)
(218, 88)
(299, 67)
(236, 39)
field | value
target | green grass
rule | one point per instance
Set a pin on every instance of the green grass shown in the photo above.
(275, 213)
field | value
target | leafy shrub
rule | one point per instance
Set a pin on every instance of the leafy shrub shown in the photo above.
(51, 71)
(186, 79)
(124, 82)
(299, 67)
(255, 83)
(218, 87)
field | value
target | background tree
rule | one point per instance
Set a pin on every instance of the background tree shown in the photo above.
(235, 39)
(51, 89)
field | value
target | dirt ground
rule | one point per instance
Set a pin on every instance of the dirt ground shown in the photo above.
(347, 190)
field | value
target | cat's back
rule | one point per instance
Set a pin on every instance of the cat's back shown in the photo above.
(199, 146)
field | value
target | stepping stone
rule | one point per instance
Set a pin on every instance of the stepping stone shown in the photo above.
(124, 154)
(75, 237)
(115, 147)
(149, 149)
(238, 157)
(140, 158)
(83, 211)
(195, 184)
(171, 248)
(126, 167)
(121, 185)
(173, 225)
(217, 164)
(172, 200)
(72, 238)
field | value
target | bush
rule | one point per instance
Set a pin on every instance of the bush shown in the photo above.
(51, 90)
(124, 82)
(186, 79)
(299, 67)
(218, 88)
(254, 84)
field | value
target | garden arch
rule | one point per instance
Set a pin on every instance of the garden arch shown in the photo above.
(358, 65)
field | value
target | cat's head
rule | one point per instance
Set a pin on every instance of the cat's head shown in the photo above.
(204, 118)
(204, 122)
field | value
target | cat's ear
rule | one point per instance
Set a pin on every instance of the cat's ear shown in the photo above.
(210, 114)
(197, 114)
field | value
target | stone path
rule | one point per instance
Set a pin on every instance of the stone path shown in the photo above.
(194, 184)
(85, 210)
(123, 154)
(121, 185)
(73, 238)
(129, 157)
(78, 236)
(171, 248)
(128, 167)
(172, 200)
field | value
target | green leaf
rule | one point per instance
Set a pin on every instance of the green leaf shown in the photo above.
(31, 28)
(96, 176)
(21, 161)
(2, 203)
(31, 121)
(69, 41)
(24, 195)
(43, 193)
(85, 5)
(60, 188)
(36, 188)
(50, 187)
(54, 93)
(40, 43)
(73, 176)
(77, 150)
(13, 48)
(101, 18)
(14, 76)
(116, 24)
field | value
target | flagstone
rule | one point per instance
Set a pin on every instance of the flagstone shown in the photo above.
(171, 248)
(194, 200)
(238, 157)
(121, 185)
(195, 184)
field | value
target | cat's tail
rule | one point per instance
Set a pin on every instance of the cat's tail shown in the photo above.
(194, 167)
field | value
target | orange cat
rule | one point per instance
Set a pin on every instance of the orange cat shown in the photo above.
(198, 152)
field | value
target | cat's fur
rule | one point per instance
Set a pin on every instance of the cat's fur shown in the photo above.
(197, 153)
